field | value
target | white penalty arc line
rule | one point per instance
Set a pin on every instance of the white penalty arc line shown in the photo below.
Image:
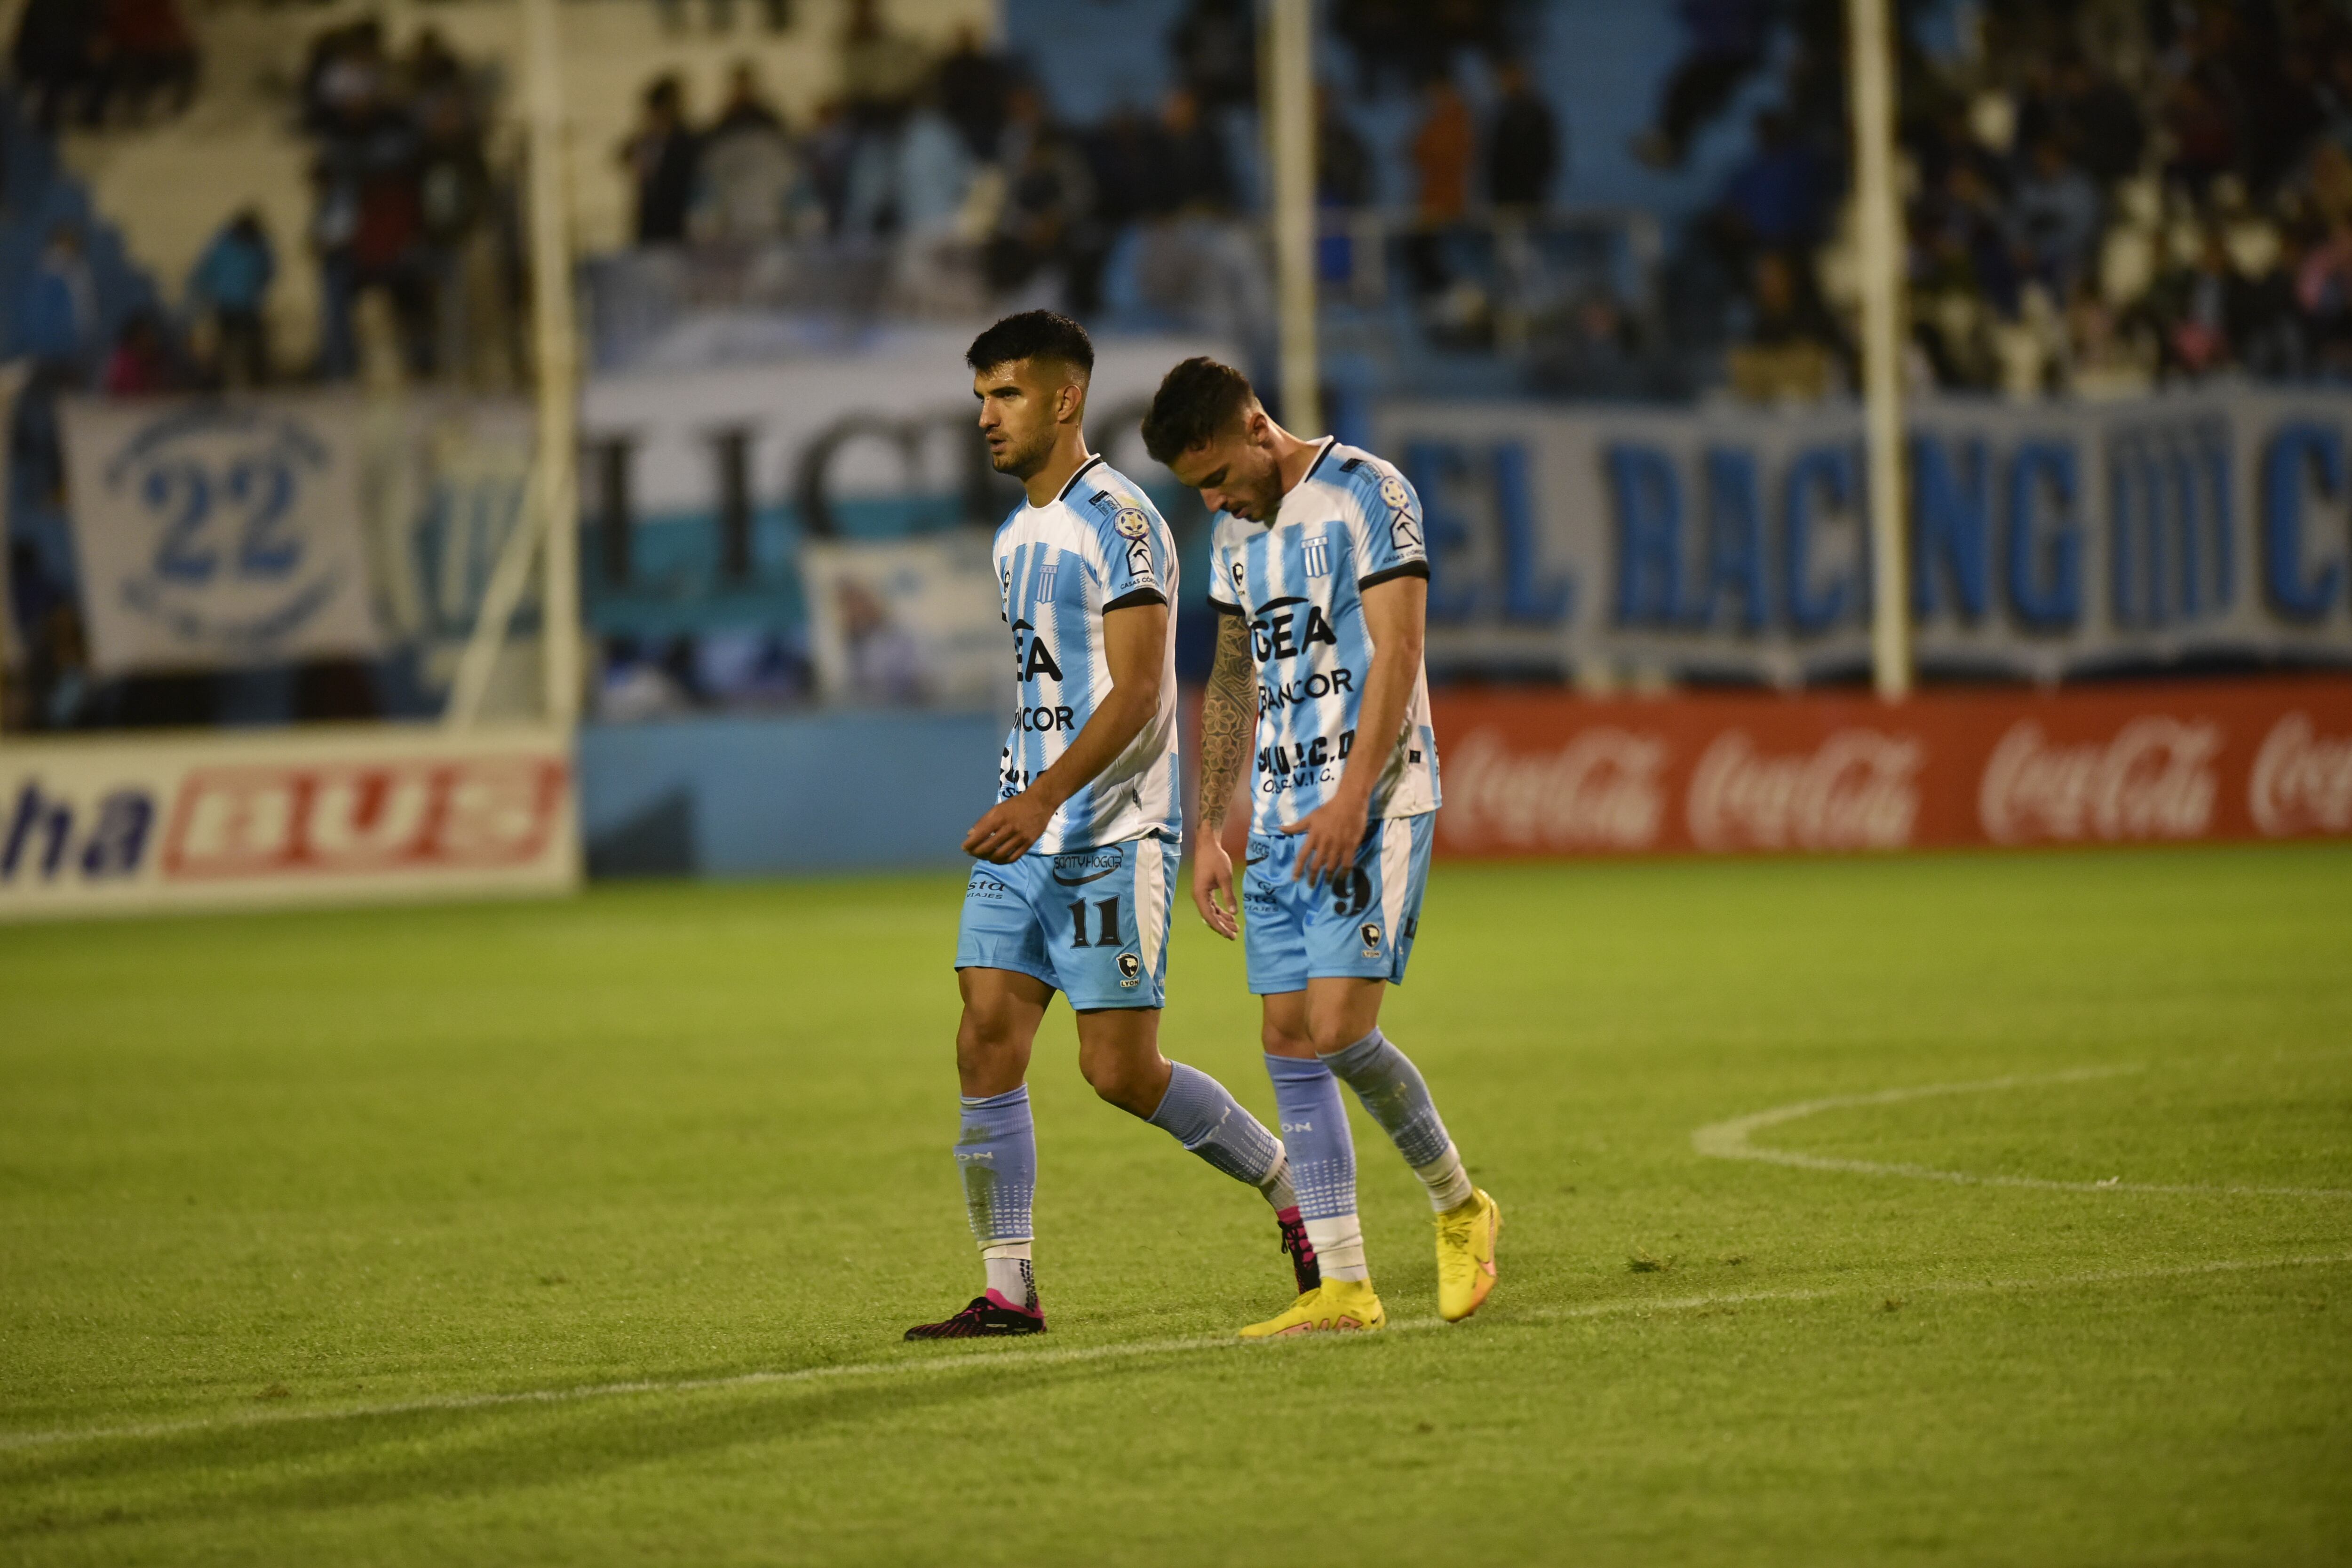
(1014, 1359)
(1730, 1141)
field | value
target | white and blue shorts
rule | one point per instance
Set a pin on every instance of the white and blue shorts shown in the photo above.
(1358, 925)
(1091, 923)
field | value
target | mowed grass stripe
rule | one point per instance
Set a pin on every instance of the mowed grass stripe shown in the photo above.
(1018, 1357)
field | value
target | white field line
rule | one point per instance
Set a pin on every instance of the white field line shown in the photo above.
(1010, 1358)
(1729, 1140)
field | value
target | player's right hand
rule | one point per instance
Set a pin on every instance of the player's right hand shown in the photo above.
(1213, 873)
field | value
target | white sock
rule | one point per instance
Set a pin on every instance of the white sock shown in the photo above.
(1340, 1247)
(1009, 1273)
(1278, 1187)
(1448, 1184)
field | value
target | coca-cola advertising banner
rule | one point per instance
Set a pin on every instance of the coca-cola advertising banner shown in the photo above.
(1530, 773)
(2046, 540)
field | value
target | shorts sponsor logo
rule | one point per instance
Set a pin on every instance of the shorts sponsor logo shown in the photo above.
(1130, 970)
(2302, 780)
(1857, 790)
(2154, 779)
(985, 887)
(1086, 866)
(1258, 850)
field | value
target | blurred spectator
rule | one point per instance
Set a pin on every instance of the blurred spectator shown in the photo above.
(1048, 201)
(1214, 43)
(1727, 43)
(144, 362)
(974, 84)
(882, 68)
(2055, 218)
(1776, 198)
(1388, 38)
(1197, 174)
(2093, 116)
(746, 171)
(370, 226)
(1523, 151)
(1344, 175)
(660, 158)
(456, 205)
(1794, 349)
(148, 50)
(57, 315)
(2322, 289)
(229, 291)
(55, 56)
(1442, 148)
(2199, 304)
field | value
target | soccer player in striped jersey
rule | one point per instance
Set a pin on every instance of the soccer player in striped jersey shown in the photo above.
(1320, 579)
(1075, 865)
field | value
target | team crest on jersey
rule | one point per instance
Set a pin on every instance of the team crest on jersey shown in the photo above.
(1130, 970)
(1132, 524)
(1371, 932)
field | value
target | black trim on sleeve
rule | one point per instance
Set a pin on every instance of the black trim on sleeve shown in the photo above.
(1063, 493)
(1223, 608)
(1403, 569)
(1140, 597)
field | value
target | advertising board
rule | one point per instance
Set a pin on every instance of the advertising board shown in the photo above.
(2047, 541)
(315, 815)
(1538, 773)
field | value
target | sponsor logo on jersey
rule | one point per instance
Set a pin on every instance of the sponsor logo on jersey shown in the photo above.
(1274, 696)
(1398, 501)
(1031, 657)
(1278, 632)
(1130, 970)
(1075, 870)
(1042, 720)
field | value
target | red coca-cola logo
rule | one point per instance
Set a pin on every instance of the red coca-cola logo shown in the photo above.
(1604, 789)
(2154, 779)
(1859, 789)
(2302, 780)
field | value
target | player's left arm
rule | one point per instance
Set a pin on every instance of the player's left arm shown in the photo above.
(1396, 613)
(1135, 646)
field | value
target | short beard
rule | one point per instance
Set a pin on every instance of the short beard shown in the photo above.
(1021, 462)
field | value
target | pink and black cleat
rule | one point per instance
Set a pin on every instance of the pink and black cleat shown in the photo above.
(987, 1317)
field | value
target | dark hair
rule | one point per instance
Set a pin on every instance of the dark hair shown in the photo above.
(1195, 400)
(1033, 334)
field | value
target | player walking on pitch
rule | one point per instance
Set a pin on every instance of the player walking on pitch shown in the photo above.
(1321, 581)
(1078, 856)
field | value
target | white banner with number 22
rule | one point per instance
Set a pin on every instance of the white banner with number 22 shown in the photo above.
(218, 534)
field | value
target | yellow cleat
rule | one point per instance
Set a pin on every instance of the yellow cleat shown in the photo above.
(1336, 1307)
(1465, 1256)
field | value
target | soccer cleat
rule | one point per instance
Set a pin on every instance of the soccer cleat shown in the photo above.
(1465, 1256)
(988, 1317)
(1303, 1266)
(1336, 1307)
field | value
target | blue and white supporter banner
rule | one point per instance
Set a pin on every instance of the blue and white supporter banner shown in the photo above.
(215, 534)
(2047, 540)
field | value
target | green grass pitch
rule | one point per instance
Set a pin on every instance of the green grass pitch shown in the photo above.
(293, 1207)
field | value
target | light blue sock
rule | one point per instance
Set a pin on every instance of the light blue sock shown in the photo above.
(996, 1154)
(1392, 1089)
(1322, 1162)
(1315, 1130)
(1198, 1113)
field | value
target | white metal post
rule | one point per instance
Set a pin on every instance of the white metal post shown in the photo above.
(1290, 106)
(557, 356)
(1871, 71)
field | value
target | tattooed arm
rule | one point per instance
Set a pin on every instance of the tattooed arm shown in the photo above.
(1228, 714)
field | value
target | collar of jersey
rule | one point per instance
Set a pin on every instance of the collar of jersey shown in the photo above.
(1275, 520)
(1069, 484)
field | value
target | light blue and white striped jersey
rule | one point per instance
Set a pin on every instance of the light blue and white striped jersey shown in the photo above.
(1097, 546)
(1351, 522)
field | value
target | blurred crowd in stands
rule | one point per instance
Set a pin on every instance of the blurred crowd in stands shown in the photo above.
(2101, 195)
(93, 62)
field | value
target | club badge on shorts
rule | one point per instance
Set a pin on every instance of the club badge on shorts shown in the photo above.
(1371, 932)
(1130, 970)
